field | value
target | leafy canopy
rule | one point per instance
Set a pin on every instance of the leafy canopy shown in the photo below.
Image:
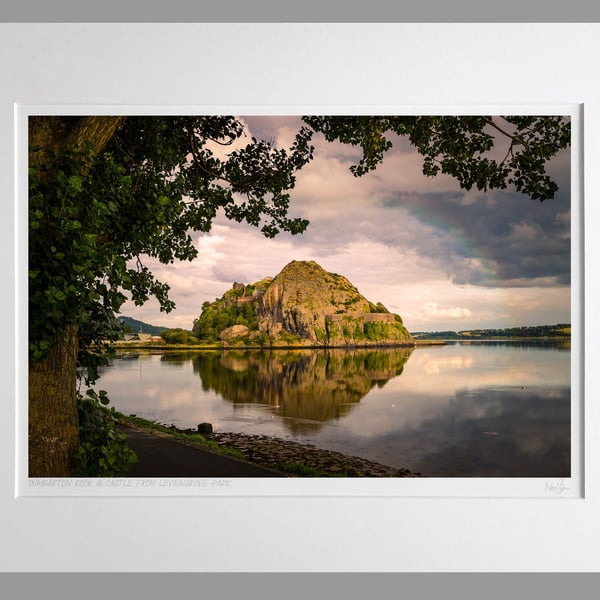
(94, 216)
(460, 146)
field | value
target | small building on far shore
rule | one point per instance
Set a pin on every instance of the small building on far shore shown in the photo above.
(142, 337)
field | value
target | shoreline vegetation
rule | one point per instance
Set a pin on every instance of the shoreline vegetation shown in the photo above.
(290, 458)
(155, 345)
(417, 343)
(241, 337)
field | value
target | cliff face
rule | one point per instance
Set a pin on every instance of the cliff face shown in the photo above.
(305, 305)
(302, 296)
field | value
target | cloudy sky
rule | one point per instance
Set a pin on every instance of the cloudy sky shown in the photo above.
(441, 257)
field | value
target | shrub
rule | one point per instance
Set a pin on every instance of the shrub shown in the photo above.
(321, 335)
(178, 336)
(103, 450)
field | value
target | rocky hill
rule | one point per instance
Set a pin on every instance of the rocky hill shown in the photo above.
(303, 305)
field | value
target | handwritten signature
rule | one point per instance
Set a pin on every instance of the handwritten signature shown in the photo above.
(556, 487)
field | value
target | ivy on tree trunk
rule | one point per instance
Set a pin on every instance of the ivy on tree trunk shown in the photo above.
(53, 421)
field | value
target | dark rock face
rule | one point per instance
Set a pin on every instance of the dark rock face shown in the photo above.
(299, 300)
(322, 308)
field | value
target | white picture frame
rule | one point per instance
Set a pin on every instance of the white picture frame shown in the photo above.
(429, 487)
(442, 70)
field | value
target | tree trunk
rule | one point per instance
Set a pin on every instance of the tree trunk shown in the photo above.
(56, 133)
(53, 415)
(53, 419)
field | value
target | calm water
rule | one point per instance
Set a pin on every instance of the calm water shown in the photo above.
(460, 410)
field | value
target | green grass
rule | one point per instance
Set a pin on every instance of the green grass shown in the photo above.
(295, 469)
(193, 439)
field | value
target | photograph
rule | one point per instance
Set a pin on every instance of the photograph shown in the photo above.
(300, 296)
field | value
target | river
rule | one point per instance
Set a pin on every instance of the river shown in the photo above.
(495, 409)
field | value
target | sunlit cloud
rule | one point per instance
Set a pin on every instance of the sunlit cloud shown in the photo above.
(433, 310)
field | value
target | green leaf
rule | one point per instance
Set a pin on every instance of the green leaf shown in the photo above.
(75, 184)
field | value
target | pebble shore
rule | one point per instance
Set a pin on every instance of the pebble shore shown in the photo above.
(272, 452)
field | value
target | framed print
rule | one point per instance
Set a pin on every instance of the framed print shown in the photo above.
(310, 385)
(379, 294)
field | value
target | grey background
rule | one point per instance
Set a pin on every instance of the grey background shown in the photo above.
(307, 11)
(413, 586)
(297, 586)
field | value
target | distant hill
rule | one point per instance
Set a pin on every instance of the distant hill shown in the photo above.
(561, 330)
(304, 305)
(136, 326)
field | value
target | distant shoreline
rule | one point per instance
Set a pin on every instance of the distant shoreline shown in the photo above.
(493, 339)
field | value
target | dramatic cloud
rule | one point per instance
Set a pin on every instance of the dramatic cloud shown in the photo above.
(498, 238)
(441, 257)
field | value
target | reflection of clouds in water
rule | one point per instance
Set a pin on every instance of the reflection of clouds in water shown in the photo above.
(432, 365)
(157, 388)
(473, 408)
(488, 432)
(483, 367)
(474, 417)
(178, 399)
(153, 391)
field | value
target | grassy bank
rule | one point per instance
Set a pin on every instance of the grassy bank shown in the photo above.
(290, 458)
(188, 436)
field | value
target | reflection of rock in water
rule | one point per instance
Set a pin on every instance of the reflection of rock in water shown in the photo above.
(306, 388)
(177, 359)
